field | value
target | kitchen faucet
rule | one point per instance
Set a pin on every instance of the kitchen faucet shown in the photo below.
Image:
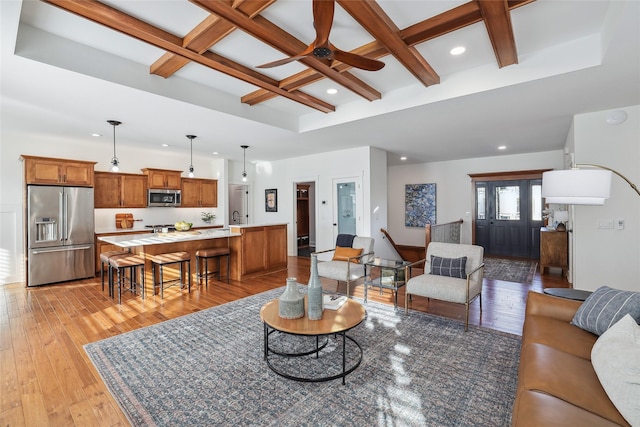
(235, 216)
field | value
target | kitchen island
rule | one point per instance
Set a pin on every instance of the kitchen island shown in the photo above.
(250, 248)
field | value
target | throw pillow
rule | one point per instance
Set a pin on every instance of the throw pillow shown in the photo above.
(605, 307)
(615, 357)
(343, 254)
(451, 267)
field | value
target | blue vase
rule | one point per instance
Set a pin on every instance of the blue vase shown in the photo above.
(314, 292)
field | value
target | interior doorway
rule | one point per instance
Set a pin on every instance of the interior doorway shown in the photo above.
(238, 204)
(305, 196)
(347, 205)
(508, 216)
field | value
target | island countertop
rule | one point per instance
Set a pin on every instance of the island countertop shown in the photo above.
(145, 239)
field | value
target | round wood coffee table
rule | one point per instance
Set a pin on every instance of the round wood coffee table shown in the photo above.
(333, 322)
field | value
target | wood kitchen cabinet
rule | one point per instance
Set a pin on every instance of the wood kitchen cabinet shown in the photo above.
(52, 171)
(198, 192)
(120, 190)
(163, 178)
(554, 249)
(261, 249)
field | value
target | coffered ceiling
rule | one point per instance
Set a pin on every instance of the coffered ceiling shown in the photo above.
(168, 68)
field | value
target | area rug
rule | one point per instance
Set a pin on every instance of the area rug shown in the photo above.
(510, 270)
(207, 369)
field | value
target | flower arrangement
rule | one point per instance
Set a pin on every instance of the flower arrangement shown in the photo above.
(207, 217)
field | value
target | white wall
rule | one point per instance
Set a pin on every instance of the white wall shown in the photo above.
(321, 169)
(131, 161)
(454, 192)
(608, 256)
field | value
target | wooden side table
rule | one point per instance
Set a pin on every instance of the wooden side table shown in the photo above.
(554, 250)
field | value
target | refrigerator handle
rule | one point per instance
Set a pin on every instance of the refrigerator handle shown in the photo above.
(66, 216)
(62, 222)
(47, 251)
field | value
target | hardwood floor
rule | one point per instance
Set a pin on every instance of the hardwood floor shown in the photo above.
(47, 378)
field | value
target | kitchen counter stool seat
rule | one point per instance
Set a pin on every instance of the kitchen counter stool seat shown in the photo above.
(104, 259)
(161, 260)
(203, 256)
(120, 263)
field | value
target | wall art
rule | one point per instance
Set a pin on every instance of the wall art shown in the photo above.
(420, 205)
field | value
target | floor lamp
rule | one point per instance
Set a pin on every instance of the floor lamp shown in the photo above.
(580, 186)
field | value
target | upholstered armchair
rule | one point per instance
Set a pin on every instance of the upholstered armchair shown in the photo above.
(347, 264)
(453, 272)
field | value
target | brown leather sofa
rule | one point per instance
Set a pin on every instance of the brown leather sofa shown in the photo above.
(557, 385)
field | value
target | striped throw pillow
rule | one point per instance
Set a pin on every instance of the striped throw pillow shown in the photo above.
(603, 308)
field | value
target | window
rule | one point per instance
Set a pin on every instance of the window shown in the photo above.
(481, 202)
(536, 202)
(508, 202)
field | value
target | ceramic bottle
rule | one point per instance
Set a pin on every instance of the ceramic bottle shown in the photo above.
(291, 302)
(314, 292)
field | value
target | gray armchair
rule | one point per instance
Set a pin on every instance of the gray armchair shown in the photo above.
(352, 268)
(439, 285)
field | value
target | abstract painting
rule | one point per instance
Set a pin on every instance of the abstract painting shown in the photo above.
(420, 205)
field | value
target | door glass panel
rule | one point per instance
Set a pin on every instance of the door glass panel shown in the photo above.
(346, 192)
(481, 202)
(536, 202)
(508, 203)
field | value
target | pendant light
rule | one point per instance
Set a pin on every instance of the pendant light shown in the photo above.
(191, 138)
(244, 168)
(114, 161)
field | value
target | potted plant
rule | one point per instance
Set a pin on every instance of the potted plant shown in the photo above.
(207, 217)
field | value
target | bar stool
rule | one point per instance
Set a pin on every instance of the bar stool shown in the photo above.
(104, 259)
(205, 255)
(171, 258)
(120, 263)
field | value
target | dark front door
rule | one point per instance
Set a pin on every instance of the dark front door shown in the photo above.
(509, 217)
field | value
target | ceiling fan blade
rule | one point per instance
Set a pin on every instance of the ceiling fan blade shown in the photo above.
(283, 61)
(357, 61)
(322, 21)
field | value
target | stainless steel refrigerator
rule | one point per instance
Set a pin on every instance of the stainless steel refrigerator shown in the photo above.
(60, 234)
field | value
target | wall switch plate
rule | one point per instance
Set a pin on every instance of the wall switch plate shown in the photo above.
(605, 224)
(620, 224)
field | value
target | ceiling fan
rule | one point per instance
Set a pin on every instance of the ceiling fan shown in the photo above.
(321, 48)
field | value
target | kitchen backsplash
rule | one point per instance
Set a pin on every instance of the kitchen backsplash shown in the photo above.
(105, 218)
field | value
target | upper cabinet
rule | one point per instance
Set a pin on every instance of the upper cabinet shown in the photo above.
(162, 178)
(120, 190)
(51, 171)
(197, 192)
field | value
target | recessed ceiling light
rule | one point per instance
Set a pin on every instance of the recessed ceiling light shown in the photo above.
(502, 147)
(403, 158)
(96, 134)
(332, 91)
(165, 145)
(458, 50)
(215, 152)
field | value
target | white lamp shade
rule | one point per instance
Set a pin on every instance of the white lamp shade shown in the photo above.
(576, 186)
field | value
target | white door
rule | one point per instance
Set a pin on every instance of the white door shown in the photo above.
(347, 202)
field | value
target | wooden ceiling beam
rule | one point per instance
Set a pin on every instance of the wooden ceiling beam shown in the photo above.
(497, 19)
(431, 28)
(126, 24)
(372, 18)
(269, 33)
(209, 32)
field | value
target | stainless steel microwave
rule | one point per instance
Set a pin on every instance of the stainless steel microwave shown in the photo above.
(166, 198)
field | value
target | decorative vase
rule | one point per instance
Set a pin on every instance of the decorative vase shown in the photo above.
(314, 292)
(291, 302)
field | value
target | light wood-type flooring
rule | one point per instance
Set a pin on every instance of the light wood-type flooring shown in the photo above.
(46, 377)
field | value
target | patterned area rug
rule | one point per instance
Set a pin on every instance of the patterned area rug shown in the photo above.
(510, 270)
(207, 369)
